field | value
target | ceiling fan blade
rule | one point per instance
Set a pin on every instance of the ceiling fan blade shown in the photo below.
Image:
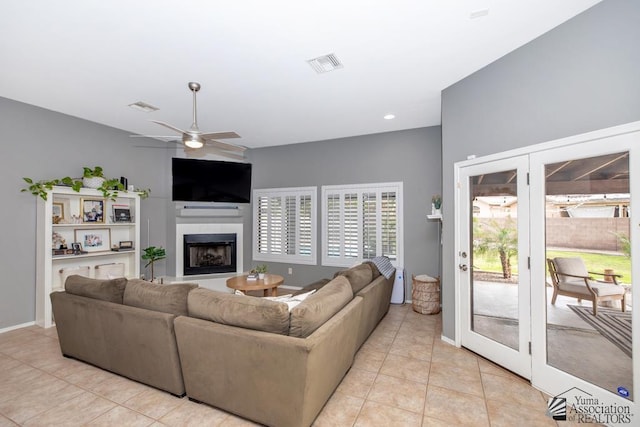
(224, 146)
(167, 125)
(153, 136)
(220, 135)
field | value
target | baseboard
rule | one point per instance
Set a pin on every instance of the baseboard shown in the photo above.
(447, 340)
(14, 327)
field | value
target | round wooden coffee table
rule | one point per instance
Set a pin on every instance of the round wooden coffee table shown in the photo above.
(269, 284)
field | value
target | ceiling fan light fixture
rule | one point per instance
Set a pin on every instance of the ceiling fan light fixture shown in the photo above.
(193, 143)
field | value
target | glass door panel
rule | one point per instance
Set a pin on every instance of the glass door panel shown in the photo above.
(493, 262)
(588, 254)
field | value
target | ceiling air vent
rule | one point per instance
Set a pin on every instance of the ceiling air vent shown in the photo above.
(143, 106)
(325, 63)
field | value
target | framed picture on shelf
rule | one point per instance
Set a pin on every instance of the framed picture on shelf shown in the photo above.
(121, 213)
(92, 210)
(94, 239)
(57, 211)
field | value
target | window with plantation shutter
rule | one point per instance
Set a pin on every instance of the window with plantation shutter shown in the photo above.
(284, 224)
(361, 222)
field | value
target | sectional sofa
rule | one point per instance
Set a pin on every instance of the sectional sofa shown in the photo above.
(255, 357)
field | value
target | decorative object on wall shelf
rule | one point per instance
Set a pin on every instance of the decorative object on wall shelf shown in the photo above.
(436, 204)
(92, 210)
(57, 212)
(91, 178)
(121, 213)
(153, 254)
(94, 239)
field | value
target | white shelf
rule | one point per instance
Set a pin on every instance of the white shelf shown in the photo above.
(438, 217)
(93, 254)
(49, 266)
(95, 225)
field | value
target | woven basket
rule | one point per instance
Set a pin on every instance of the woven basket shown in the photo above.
(425, 296)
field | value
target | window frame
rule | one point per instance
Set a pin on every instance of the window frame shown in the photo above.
(360, 189)
(296, 258)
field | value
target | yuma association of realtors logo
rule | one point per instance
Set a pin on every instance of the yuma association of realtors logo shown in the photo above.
(582, 407)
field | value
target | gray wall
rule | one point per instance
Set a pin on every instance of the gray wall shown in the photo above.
(411, 156)
(42, 144)
(579, 77)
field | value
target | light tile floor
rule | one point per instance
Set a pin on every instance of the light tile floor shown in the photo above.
(404, 375)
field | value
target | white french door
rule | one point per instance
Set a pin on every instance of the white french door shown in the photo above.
(493, 209)
(575, 198)
(592, 356)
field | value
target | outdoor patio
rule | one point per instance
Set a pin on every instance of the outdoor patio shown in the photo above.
(573, 345)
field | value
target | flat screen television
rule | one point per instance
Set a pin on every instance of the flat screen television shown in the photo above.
(197, 180)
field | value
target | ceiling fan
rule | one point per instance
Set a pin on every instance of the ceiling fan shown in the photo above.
(194, 138)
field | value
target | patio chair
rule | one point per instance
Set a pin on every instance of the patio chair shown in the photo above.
(571, 278)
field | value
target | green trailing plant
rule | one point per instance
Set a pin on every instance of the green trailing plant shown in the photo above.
(109, 187)
(96, 172)
(153, 254)
(496, 238)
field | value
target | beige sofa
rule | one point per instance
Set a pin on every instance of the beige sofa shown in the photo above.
(249, 356)
(124, 327)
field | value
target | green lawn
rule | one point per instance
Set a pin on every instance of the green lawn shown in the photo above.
(594, 261)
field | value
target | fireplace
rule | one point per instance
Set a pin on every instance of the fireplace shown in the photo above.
(209, 253)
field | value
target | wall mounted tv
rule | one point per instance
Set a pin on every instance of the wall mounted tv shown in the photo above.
(210, 181)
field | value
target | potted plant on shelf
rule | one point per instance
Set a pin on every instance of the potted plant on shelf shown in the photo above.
(91, 178)
(436, 204)
(153, 254)
(261, 270)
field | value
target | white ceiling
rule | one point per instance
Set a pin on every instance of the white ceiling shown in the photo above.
(91, 58)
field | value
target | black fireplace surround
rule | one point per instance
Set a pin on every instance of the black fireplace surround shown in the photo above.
(209, 254)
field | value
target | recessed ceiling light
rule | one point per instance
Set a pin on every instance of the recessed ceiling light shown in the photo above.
(389, 116)
(143, 106)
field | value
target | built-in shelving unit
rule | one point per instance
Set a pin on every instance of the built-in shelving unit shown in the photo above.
(98, 233)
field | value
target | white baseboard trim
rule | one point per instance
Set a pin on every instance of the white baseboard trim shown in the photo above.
(447, 340)
(14, 327)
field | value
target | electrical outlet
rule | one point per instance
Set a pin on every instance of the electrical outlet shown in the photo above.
(290, 270)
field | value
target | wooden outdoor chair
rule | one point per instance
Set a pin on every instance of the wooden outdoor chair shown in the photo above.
(571, 278)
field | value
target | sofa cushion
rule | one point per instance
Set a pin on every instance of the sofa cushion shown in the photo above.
(315, 310)
(358, 276)
(243, 311)
(374, 270)
(170, 299)
(105, 290)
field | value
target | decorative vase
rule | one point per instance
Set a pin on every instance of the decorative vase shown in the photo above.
(261, 276)
(93, 182)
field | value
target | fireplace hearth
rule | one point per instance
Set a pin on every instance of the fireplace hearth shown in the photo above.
(209, 253)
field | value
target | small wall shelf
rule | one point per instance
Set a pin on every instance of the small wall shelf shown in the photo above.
(437, 217)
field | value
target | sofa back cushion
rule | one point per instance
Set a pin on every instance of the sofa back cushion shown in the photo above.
(315, 310)
(239, 310)
(105, 290)
(170, 299)
(374, 270)
(358, 276)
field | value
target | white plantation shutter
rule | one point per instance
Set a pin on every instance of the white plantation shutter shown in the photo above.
(361, 222)
(284, 225)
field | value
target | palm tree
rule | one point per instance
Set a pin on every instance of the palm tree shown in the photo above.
(496, 238)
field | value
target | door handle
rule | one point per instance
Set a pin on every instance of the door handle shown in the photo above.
(462, 267)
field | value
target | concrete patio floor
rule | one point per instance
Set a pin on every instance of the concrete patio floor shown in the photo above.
(573, 345)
